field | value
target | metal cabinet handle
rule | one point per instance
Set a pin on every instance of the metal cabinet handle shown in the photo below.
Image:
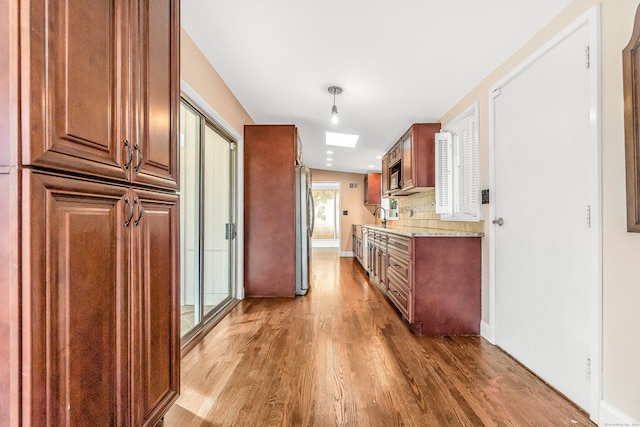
(140, 158)
(130, 159)
(128, 221)
(140, 211)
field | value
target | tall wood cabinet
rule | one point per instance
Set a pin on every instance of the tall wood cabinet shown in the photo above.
(270, 210)
(90, 173)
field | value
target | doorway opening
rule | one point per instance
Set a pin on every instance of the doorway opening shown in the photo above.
(326, 198)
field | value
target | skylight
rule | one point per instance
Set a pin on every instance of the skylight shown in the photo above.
(342, 139)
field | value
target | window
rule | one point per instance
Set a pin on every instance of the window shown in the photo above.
(457, 169)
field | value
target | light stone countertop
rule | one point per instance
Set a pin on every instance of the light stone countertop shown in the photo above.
(425, 232)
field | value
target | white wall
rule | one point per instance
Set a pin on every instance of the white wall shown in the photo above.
(621, 250)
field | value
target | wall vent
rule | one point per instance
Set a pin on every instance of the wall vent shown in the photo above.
(353, 185)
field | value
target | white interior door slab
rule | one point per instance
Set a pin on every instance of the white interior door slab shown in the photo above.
(545, 165)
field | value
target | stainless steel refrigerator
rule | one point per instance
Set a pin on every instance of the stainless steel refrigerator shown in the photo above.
(304, 229)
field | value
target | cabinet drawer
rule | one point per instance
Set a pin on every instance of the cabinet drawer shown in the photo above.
(400, 298)
(398, 279)
(399, 267)
(400, 245)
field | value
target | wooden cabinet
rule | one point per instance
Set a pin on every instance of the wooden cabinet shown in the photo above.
(270, 210)
(92, 220)
(384, 176)
(357, 242)
(433, 281)
(377, 263)
(101, 303)
(155, 275)
(372, 193)
(101, 87)
(413, 159)
(76, 303)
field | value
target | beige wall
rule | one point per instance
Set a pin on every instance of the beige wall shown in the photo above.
(621, 250)
(198, 73)
(352, 200)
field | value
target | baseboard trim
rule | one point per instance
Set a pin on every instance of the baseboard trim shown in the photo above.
(611, 416)
(486, 331)
(346, 254)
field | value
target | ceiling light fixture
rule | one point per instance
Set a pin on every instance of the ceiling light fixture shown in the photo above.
(334, 90)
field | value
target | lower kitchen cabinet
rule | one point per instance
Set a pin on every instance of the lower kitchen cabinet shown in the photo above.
(356, 246)
(446, 285)
(100, 339)
(434, 281)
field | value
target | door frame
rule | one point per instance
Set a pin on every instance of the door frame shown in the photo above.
(238, 254)
(591, 18)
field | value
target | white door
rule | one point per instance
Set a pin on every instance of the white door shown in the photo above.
(546, 253)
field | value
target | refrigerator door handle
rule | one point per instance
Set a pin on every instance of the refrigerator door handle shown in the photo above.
(312, 213)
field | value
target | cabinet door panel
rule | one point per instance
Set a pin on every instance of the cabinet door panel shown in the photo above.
(75, 322)
(155, 248)
(385, 175)
(75, 87)
(156, 157)
(407, 162)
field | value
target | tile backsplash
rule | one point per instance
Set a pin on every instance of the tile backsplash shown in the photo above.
(418, 211)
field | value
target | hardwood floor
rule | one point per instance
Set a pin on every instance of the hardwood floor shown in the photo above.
(341, 355)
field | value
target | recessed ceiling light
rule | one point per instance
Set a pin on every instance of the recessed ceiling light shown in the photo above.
(378, 157)
(331, 152)
(342, 139)
(329, 164)
(371, 166)
(329, 159)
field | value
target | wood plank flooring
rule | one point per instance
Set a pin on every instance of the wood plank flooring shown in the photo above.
(342, 356)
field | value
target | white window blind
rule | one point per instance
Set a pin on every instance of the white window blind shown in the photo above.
(443, 173)
(458, 191)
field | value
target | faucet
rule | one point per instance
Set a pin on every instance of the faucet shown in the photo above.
(384, 216)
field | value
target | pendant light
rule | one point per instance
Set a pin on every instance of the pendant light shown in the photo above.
(334, 90)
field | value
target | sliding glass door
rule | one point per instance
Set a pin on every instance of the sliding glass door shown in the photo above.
(207, 166)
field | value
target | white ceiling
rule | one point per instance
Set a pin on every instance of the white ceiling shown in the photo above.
(399, 62)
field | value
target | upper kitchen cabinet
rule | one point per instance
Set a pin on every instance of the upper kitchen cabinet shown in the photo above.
(101, 79)
(372, 195)
(384, 177)
(411, 161)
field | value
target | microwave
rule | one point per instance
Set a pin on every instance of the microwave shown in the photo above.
(394, 182)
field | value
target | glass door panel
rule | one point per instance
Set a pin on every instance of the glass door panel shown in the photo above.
(216, 217)
(190, 128)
